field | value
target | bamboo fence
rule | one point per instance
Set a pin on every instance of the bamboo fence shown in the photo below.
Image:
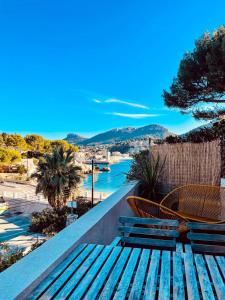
(189, 163)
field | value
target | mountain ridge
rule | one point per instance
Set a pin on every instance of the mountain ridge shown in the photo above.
(154, 131)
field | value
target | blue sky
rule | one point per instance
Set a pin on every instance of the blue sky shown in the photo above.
(89, 66)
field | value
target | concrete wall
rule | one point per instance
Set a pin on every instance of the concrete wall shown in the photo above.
(99, 225)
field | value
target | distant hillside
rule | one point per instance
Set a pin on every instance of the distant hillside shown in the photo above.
(123, 134)
(74, 138)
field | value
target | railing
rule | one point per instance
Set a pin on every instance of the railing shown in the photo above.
(99, 225)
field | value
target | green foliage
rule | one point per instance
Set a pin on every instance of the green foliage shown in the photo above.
(9, 156)
(35, 142)
(15, 141)
(21, 169)
(49, 221)
(66, 146)
(57, 176)
(83, 206)
(146, 169)
(122, 148)
(9, 257)
(200, 83)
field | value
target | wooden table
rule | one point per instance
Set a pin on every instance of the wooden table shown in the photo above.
(113, 272)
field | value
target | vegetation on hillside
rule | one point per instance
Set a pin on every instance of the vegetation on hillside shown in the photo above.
(9, 156)
(12, 146)
(57, 176)
(199, 87)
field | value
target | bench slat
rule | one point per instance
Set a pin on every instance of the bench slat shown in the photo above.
(116, 241)
(56, 273)
(127, 275)
(80, 272)
(89, 277)
(67, 273)
(149, 242)
(191, 280)
(164, 285)
(99, 281)
(208, 248)
(138, 282)
(149, 221)
(152, 276)
(202, 226)
(203, 276)
(149, 231)
(178, 276)
(206, 237)
(221, 263)
(216, 277)
(114, 276)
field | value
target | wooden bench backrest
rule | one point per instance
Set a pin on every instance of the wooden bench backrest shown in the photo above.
(149, 232)
(207, 238)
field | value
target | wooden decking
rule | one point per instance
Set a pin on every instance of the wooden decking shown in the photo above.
(113, 272)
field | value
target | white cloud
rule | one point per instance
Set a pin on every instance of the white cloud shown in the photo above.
(113, 100)
(134, 116)
(97, 101)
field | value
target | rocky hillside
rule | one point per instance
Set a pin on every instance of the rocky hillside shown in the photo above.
(122, 134)
(74, 138)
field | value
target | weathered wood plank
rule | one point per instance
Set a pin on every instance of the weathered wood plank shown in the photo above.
(89, 277)
(221, 263)
(80, 272)
(114, 276)
(216, 277)
(149, 231)
(178, 276)
(50, 279)
(55, 287)
(191, 280)
(179, 247)
(149, 242)
(99, 281)
(202, 226)
(164, 285)
(123, 286)
(206, 237)
(187, 248)
(149, 221)
(138, 282)
(206, 288)
(116, 241)
(152, 276)
(213, 249)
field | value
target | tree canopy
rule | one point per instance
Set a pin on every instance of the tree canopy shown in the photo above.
(33, 143)
(57, 176)
(8, 156)
(36, 142)
(199, 87)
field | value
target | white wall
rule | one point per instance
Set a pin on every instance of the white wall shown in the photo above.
(99, 225)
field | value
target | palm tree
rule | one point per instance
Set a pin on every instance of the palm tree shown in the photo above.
(57, 176)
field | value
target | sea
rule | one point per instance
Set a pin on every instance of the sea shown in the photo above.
(109, 182)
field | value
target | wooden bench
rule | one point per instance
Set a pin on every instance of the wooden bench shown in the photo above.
(149, 232)
(207, 238)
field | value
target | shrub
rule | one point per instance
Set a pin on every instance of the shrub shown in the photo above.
(83, 206)
(146, 169)
(49, 221)
(21, 169)
(8, 156)
(9, 257)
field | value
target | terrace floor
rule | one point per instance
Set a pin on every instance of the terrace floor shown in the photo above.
(112, 272)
